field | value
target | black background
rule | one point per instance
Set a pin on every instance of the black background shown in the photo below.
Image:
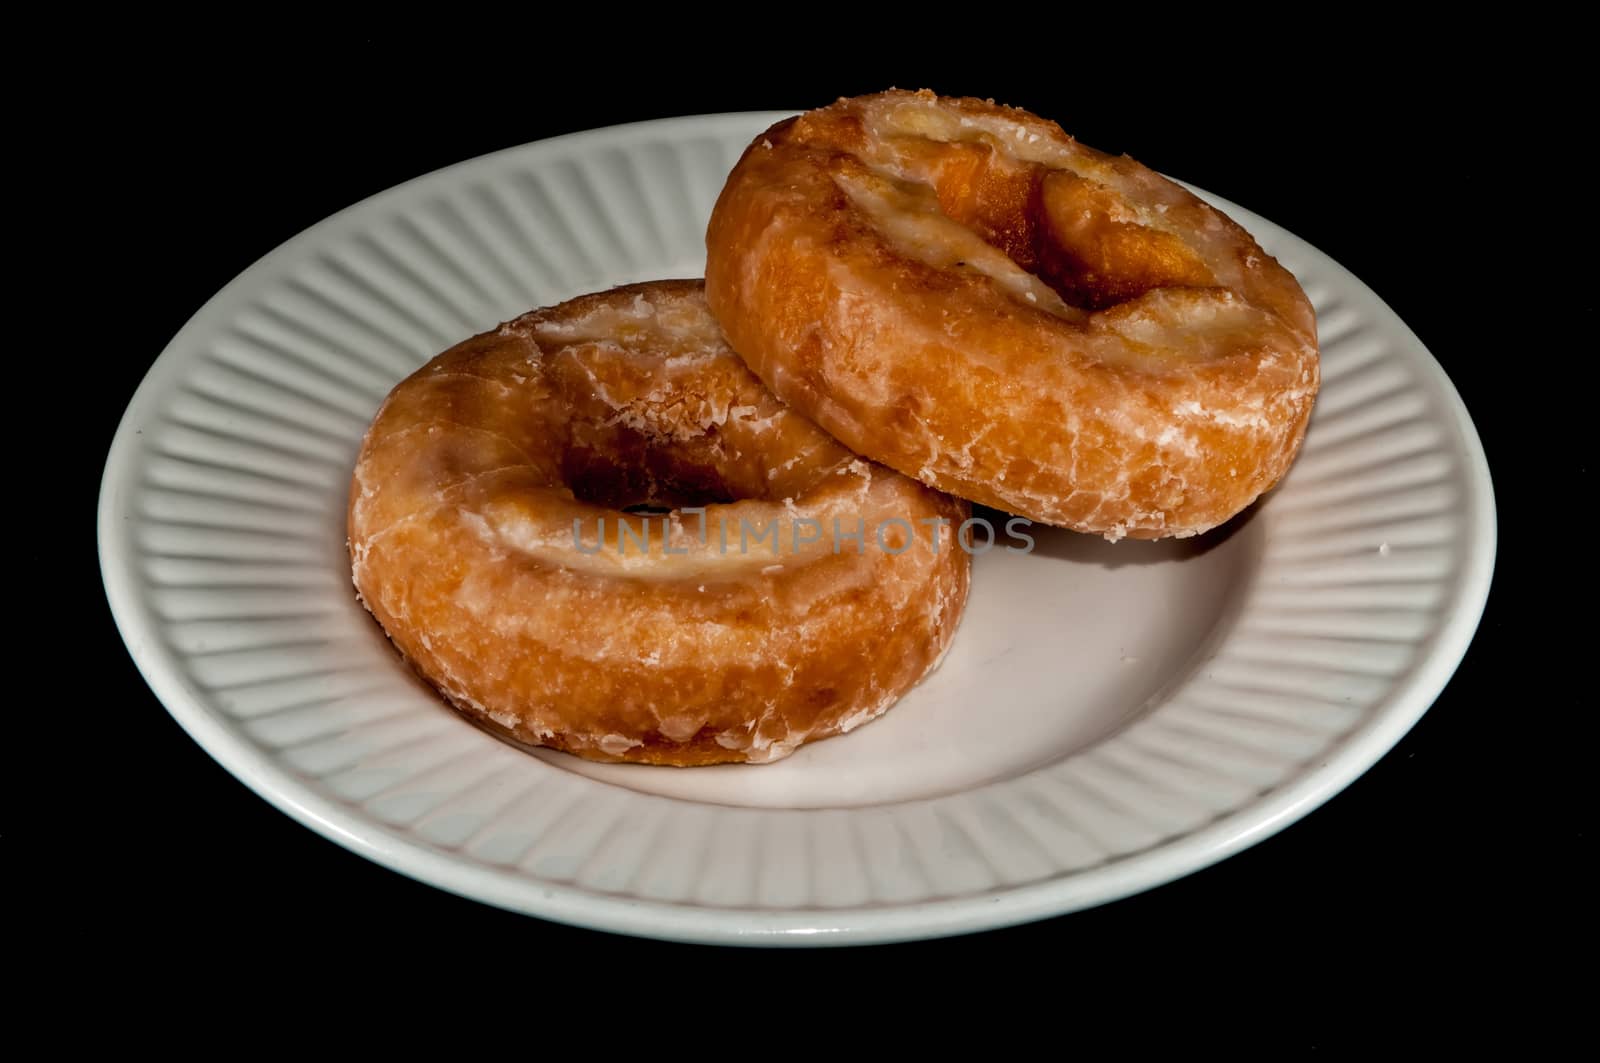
(1413, 165)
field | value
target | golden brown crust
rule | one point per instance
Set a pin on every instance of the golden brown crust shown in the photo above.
(964, 293)
(462, 530)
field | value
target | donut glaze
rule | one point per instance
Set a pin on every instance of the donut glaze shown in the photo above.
(475, 540)
(964, 293)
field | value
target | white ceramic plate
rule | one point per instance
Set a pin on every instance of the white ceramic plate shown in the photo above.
(1110, 717)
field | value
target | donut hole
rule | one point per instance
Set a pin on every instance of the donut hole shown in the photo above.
(1072, 233)
(635, 477)
(1095, 259)
(664, 417)
(1018, 193)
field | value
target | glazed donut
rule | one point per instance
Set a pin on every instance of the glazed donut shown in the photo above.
(732, 632)
(963, 292)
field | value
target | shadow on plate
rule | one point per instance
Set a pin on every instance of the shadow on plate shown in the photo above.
(1062, 544)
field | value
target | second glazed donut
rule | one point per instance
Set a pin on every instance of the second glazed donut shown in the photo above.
(963, 292)
(489, 535)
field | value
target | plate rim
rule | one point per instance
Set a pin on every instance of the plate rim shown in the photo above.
(1341, 764)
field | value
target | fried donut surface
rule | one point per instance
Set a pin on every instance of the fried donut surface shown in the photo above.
(683, 637)
(964, 293)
